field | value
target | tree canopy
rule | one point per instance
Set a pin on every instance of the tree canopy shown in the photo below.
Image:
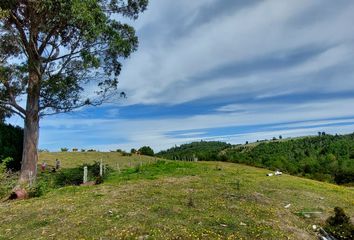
(58, 55)
(69, 44)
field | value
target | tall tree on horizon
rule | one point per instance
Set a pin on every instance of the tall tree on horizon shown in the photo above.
(54, 52)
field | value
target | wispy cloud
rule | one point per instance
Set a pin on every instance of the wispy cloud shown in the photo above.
(225, 70)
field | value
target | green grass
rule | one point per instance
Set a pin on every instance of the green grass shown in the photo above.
(178, 200)
(74, 159)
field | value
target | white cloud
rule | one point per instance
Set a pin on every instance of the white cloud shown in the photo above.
(181, 59)
(157, 132)
(267, 29)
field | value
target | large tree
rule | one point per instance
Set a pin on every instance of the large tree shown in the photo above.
(53, 53)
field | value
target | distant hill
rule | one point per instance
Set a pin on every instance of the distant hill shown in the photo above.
(202, 150)
(326, 157)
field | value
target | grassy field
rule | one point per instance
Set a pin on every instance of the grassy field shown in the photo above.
(175, 200)
(74, 159)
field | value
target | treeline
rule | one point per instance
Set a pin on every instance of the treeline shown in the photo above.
(11, 144)
(204, 151)
(326, 157)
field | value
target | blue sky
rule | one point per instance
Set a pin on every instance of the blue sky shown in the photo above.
(225, 70)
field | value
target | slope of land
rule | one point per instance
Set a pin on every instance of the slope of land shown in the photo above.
(178, 200)
(326, 158)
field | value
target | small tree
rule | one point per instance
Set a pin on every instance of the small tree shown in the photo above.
(339, 225)
(50, 50)
(64, 149)
(147, 151)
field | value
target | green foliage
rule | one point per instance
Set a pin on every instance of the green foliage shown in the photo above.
(73, 42)
(11, 144)
(340, 225)
(7, 180)
(324, 158)
(64, 149)
(74, 176)
(206, 151)
(147, 151)
(67, 177)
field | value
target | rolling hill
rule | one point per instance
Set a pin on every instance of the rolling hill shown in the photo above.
(161, 199)
(325, 158)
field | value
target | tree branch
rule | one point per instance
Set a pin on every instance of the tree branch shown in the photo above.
(11, 109)
(13, 102)
(19, 28)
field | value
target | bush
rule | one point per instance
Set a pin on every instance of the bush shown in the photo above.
(344, 176)
(41, 187)
(339, 225)
(147, 151)
(125, 154)
(7, 180)
(71, 176)
(11, 145)
(64, 149)
(74, 176)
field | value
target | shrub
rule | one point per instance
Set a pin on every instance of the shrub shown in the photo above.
(64, 149)
(75, 149)
(339, 225)
(147, 151)
(125, 154)
(344, 176)
(7, 180)
(74, 176)
(11, 145)
(42, 186)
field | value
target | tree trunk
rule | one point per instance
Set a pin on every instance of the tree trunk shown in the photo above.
(30, 145)
(31, 130)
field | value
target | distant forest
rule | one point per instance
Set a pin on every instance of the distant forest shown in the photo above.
(325, 157)
(204, 151)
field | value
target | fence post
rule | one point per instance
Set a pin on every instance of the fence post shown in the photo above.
(85, 175)
(101, 168)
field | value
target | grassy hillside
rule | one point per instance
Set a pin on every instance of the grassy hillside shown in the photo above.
(326, 158)
(177, 200)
